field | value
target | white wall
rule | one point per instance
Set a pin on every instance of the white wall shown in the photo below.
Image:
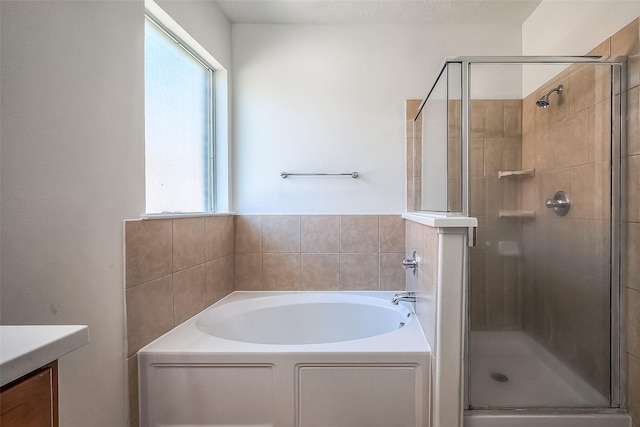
(570, 27)
(330, 98)
(72, 169)
(574, 27)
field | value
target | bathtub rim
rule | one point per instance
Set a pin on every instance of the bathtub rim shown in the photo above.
(186, 338)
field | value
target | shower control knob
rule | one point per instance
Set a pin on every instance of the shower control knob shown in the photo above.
(560, 203)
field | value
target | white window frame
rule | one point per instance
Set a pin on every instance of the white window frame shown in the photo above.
(220, 197)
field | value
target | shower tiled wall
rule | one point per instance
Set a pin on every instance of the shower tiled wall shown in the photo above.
(565, 272)
(174, 269)
(413, 152)
(495, 145)
(319, 252)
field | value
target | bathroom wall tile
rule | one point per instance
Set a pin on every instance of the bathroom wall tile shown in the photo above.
(417, 156)
(218, 233)
(477, 196)
(544, 147)
(320, 233)
(248, 271)
(487, 119)
(454, 194)
(359, 271)
(632, 171)
(429, 261)
(392, 275)
(603, 83)
(248, 233)
(359, 234)
(148, 250)
(502, 154)
(411, 206)
(281, 233)
(583, 88)
(409, 151)
(634, 387)
(411, 108)
(281, 272)
(631, 255)
(454, 116)
(599, 132)
(633, 322)
(132, 372)
(627, 42)
(513, 118)
(570, 140)
(320, 272)
(149, 312)
(590, 191)
(415, 238)
(633, 121)
(454, 158)
(476, 157)
(603, 48)
(633, 70)
(418, 193)
(220, 275)
(189, 294)
(392, 238)
(188, 242)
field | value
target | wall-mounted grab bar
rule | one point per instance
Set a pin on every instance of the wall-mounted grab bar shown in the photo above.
(352, 174)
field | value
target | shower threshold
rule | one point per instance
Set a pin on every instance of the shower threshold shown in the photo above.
(512, 418)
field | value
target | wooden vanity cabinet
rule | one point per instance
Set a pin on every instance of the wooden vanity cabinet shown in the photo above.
(32, 400)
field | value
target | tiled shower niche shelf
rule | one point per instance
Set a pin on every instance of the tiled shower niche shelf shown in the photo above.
(519, 173)
(517, 214)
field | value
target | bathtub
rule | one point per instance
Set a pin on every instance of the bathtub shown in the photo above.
(290, 359)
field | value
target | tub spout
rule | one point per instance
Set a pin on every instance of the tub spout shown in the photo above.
(403, 296)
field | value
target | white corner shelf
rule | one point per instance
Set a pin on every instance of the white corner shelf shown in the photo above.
(523, 173)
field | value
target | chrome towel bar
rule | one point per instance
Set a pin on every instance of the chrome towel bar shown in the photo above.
(352, 174)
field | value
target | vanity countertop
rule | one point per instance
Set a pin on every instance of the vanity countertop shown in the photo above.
(26, 348)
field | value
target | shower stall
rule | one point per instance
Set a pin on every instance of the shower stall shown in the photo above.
(531, 147)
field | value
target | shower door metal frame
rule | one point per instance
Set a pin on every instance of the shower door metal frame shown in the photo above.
(618, 112)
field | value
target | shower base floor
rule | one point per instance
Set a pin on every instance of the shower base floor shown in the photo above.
(511, 370)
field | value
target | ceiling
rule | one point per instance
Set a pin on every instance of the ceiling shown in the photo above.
(377, 11)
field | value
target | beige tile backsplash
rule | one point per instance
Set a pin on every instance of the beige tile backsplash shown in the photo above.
(319, 252)
(174, 269)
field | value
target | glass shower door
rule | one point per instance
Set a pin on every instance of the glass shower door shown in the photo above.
(540, 295)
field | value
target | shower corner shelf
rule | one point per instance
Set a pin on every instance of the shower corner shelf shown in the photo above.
(517, 214)
(524, 172)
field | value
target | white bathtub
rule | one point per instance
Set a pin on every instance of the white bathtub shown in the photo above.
(289, 359)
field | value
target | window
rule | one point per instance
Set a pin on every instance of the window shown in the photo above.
(179, 146)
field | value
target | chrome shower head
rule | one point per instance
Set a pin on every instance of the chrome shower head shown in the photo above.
(543, 102)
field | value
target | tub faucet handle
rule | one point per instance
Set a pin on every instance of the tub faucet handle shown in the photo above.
(411, 263)
(403, 296)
